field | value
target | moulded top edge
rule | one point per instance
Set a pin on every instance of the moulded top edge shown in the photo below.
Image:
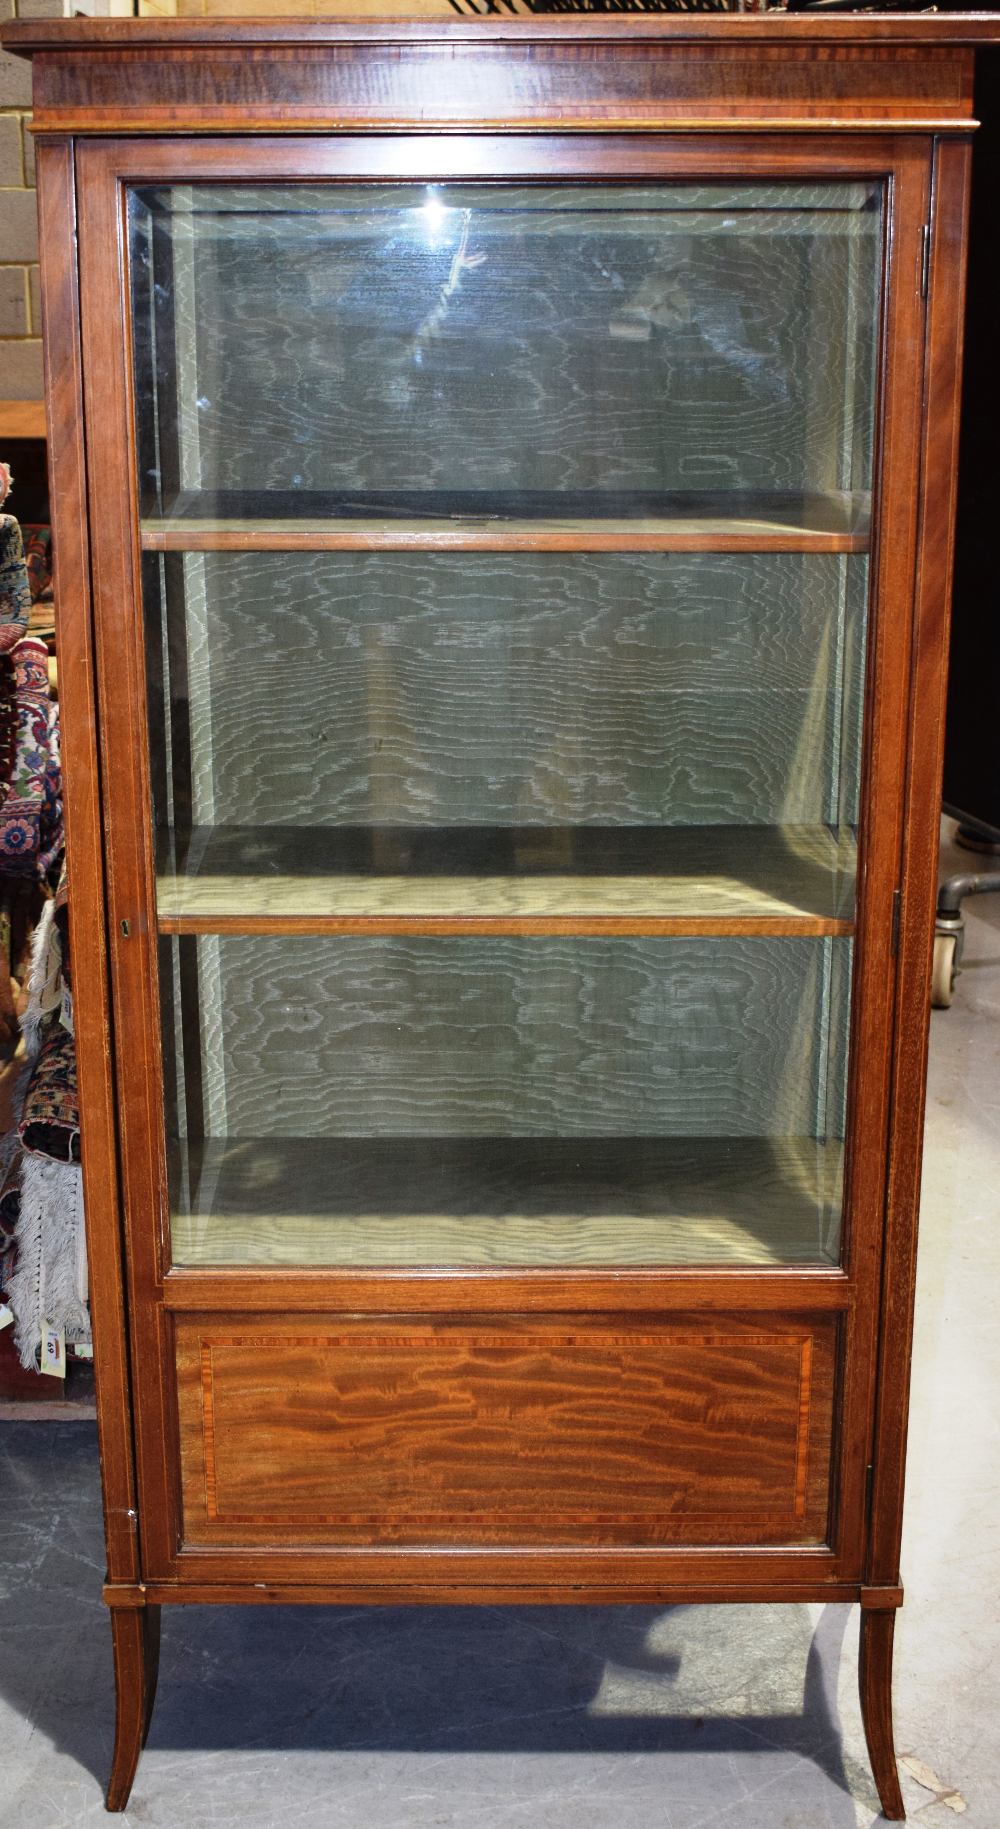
(27, 36)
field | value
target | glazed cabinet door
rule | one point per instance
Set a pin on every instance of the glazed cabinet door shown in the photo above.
(502, 671)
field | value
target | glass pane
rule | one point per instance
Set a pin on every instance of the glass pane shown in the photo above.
(505, 562)
(506, 732)
(505, 1100)
(506, 350)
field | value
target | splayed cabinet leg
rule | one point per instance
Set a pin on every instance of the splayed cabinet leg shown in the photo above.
(135, 1637)
(875, 1673)
(151, 1662)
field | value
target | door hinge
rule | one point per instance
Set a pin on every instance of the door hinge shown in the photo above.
(869, 1484)
(897, 902)
(925, 258)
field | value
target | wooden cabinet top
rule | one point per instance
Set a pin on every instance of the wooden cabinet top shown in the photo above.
(776, 28)
(681, 71)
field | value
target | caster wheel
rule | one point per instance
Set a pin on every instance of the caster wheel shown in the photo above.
(971, 839)
(943, 971)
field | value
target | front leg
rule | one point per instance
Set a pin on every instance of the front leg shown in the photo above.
(878, 1627)
(135, 1639)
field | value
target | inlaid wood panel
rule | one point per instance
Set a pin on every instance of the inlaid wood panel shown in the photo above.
(509, 338)
(532, 1037)
(394, 1432)
(384, 689)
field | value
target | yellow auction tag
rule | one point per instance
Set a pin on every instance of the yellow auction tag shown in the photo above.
(53, 1358)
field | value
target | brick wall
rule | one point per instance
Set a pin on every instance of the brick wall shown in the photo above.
(20, 313)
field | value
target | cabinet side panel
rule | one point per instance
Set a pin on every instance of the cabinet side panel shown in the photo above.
(126, 801)
(506, 1432)
(78, 719)
(920, 860)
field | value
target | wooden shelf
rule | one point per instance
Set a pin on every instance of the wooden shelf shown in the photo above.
(631, 880)
(22, 419)
(717, 523)
(454, 1201)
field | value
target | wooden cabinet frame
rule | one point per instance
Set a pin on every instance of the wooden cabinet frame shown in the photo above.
(877, 99)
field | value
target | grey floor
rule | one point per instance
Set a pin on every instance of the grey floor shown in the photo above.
(568, 1718)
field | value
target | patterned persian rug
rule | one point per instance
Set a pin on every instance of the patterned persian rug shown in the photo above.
(15, 590)
(31, 827)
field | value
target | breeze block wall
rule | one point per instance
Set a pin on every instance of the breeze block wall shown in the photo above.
(20, 305)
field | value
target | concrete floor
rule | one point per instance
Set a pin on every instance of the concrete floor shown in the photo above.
(569, 1718)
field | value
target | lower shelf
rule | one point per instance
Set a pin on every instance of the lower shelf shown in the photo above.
(506, 1201)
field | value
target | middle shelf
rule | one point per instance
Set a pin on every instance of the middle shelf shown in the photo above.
(747, 521)
(758, 879)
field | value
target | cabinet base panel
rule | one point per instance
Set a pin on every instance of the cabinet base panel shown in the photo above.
(280, 1592)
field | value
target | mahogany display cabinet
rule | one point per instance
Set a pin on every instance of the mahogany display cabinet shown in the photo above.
(503, 481)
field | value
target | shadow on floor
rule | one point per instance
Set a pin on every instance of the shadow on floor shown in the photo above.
(386, 1681)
